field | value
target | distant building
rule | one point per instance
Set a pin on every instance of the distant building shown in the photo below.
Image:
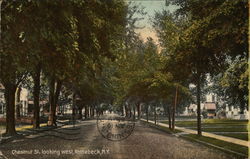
(30, 107)
(210, 108)
(21, 103)
(233, 113)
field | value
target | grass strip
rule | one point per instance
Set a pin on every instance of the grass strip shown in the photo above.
(165, 129)
(213, 121)
(240, 151)
(22, 128)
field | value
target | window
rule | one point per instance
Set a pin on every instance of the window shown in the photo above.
(213, 98)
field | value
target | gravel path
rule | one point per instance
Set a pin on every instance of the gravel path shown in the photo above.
(79, 142)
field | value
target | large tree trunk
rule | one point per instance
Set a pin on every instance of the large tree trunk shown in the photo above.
(122, 110)
(57, 93)
(51, 101)
(134, 112)
(88, 113)
(94, 112)
(139, 111)
(169, 118)
(36, 96)
(198, 87)
(126, 110)
(54, 95)
(91, 111)
(174, 107)
(10, 90)
(85, 112)
(18, 115)
(80, 112)
(130, 112)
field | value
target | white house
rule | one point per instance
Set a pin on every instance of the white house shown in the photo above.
(210, 106)
(23, 103)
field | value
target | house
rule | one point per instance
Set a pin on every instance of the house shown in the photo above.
(21, 102)
(233, 113)
(42, 104)
(210, 109)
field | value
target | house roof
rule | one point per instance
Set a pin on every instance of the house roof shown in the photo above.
(210, 106)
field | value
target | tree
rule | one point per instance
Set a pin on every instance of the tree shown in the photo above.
(232, 84)
(12, 58)
(202, 47)
(88, 32)
(169, 30)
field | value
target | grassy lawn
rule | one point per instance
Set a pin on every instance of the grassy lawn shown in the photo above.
(214, 122)
(24, 127)
(223, 144)
(224, 121)
(29, 127)
(241, 125)
(219, 125)
(210, 125)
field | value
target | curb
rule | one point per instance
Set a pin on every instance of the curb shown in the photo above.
(216, 147)
(241, 155)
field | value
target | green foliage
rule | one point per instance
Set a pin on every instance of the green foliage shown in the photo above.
(11, 53)
(68, 39)
(141, 78)
(232, 84)
(200, 37)
(92, 47)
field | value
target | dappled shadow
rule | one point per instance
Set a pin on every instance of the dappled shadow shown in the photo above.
(44, 132)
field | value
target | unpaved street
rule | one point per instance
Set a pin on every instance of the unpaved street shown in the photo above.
(85, 141)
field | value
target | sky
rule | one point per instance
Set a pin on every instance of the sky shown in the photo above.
(150, 7)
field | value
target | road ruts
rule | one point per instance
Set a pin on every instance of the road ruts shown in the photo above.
(144, 143)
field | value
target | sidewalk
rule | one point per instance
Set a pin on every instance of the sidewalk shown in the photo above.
(22, 130)
(219, 137)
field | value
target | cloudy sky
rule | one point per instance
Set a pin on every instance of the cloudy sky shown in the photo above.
(150, 7)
